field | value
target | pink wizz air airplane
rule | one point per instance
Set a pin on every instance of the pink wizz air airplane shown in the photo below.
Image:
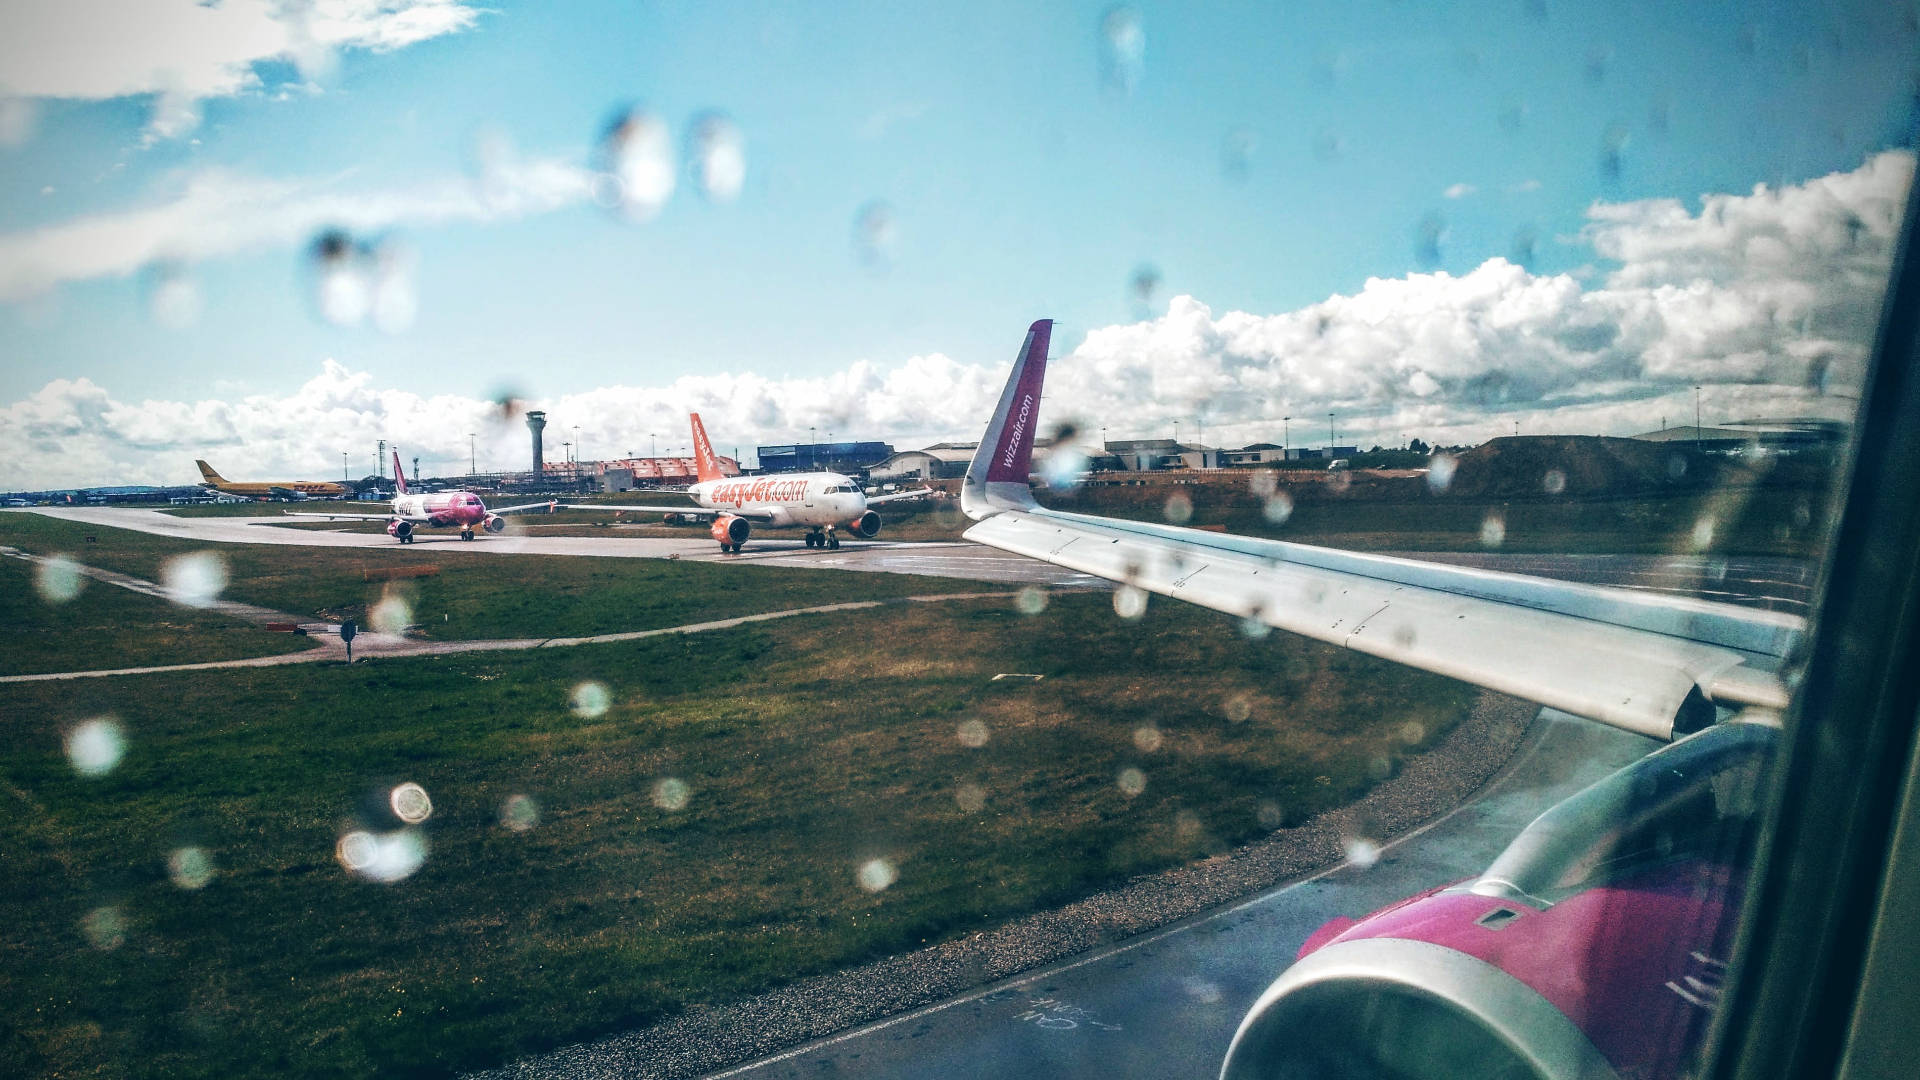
(823, 503)
(1596, 944)
(442, 510)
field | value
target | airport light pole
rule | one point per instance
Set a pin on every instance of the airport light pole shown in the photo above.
(1286, 433)
(345, 474)
(576, 444)
(1329, 433)
(1696, 418)
(653, 447)
(473, 456)
(813, 455)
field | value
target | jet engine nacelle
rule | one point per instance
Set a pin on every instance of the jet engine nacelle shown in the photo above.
(495, 523)
(866, 526)
(400, 529)
(731, 530)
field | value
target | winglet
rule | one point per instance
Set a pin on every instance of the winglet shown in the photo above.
(997, 479)
(399, 475)
(705, 464)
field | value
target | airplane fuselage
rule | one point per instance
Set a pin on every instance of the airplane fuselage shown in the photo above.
(810, 500)
(441, 510)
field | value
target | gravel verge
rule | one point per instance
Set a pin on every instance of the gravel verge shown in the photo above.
(707, 1039)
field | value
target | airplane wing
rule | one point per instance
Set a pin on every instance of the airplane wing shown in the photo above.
(698, 513)
(523, 508)
(874, 500)
(332, 517)
(1650, 664)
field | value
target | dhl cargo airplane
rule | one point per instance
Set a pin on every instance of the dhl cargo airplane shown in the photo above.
(442, 510)
(1595, 945)
(823, 503)
(290, 489)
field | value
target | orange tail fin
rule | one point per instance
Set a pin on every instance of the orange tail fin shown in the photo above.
(705, 462)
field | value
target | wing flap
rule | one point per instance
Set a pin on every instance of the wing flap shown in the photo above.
(1620, 675)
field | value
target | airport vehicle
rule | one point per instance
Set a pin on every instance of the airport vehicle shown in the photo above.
(823, 503)
(1603, 941)
(463, 510)
(288, 490)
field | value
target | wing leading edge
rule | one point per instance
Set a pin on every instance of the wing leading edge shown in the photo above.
(1646, 663)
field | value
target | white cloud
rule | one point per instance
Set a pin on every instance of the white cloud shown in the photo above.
(1525, 186)
(1459, 191)
(185, 52)
(222, 213)
(1769, 300)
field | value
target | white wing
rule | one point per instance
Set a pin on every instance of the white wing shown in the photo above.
(698, 513)
(874, 500)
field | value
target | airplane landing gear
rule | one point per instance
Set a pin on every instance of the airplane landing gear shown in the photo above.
(816, 539)
(832, 541)
(466, 534)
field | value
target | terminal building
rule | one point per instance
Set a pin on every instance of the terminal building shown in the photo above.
(840, 457)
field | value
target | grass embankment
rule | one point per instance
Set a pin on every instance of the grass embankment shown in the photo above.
(103, 625)
(807, 749)
(470, 594)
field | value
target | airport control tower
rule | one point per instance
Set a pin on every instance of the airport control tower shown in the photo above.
(536, 423)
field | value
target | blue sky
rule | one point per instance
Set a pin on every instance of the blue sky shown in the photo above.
(1022, 181)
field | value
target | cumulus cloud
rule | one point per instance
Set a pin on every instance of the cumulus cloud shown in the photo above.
(183, 51)
(1459, 191)
(1768, 300)
(217, 213)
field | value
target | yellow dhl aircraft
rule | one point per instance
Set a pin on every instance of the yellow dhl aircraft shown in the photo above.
(289, 489)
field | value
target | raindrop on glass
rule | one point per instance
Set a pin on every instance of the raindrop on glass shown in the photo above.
(1554, 482)
(1178, 508)
(1238, 707)
(58, 579)
(1187, 824)
(1513, 114)
(717, 153)
(1362, 852)
(383, 857)
(875, 875)
(1269, 815)
(1123, 49)
(1525, 243)
(1440, 470)
(970, 797)
(1131, 781)
(1063, 468)
(1031, 600)
(105, 928)
(519, 813)
(173, 296)
(671, 794)
(1703, 530)
(1263, 482)
(189, 867)
(1253, 627)
(1328, 145)
(972, 734)
(1599, 59)
(1129, 601)
(1379, 767)
(1278, 508)
(390, 615)
(1412, 732)
(591, 699)
(194, 580)
(1613, 150)
(1143, 284)
(1147, 738)
(1493, 531)
(636, 164)
(875, 233)
(1236, 154)
(410, 803)
(1429, 234)
(95, 746)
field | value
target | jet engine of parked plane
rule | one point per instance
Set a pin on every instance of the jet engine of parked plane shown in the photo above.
(866, 526)
(730, 531)
(495, 523)
(401, 530)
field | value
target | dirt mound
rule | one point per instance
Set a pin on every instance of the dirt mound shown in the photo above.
(1538, 465)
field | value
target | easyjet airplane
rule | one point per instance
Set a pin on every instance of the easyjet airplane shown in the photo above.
(289, 489)
(823, 503)
(442, 510)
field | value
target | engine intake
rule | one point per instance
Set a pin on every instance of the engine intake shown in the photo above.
(731, 530)
(400, 529)
(495, 523)
(866, 526)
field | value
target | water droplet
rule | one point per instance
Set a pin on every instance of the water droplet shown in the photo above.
(1513, 113)
(1263, 482)
(972, 734)
(410, 803)
(970, 797)
(1270, 815)
(1129, 601)
(194, 580)
(875, 233)
(1362, 852)
(1493, 531)
(1123, 49)
(1031, 600)
(1613, 149)
(1379, 767)
(1703, 530)
(18, 118)
(1554, 482)
(354, 281)
(1440, 470)
(519, 813)
(1179, 508)
(1803, 515)
(391, 614)
(718, 155)
(1063, 468)
(58, 579)
(1186, 823)
(1236, 154)
(1329, 145)
(636, 165)
(1676, 467)
(591, 699)
(1278, 508)
(876, 874)
(1429, 235)
(1147, 738)
(105, 928)
(1599, 59)
(1132, 781)
(671, 794)
(173, 296)
(1525, 241)
(1405, 635)
(1412, 732)
(1253, 627)
(189, 867)
(1340, 480)
(384, 857)
(1142, 286)
(95, 746)
(1238, 707)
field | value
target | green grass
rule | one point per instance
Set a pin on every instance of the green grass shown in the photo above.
(476, 595)
(108, 626)
(808, 747)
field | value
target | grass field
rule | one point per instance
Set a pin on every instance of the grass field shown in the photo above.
(703, 838)
(107, 626)
(469, 595)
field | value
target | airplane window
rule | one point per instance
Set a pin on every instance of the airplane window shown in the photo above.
(1347, 497)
